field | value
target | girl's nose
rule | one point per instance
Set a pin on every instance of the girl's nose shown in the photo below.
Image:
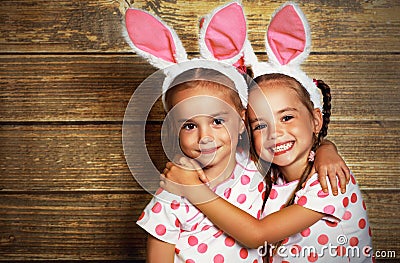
(206, 135)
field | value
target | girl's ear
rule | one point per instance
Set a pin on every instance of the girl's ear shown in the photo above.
(318, 120)
(242, 127)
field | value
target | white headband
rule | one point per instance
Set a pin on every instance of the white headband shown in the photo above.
(222, 41)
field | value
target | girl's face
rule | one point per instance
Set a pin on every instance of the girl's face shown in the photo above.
(208, 125)
(283, 133)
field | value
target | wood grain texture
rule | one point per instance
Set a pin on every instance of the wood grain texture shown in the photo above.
(86, 26)
(91, 157)
(98, 87)
(101, 226)
(67, 75)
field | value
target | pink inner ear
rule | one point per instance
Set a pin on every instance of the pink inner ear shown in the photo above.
(286, 35)
(226, 32)
(150, 35)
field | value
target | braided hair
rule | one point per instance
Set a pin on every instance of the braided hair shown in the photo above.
(271, 170)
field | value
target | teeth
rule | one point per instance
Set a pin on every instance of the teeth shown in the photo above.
(282, 147)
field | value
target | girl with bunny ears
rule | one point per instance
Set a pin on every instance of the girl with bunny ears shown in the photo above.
(205, 100)
(300, 220)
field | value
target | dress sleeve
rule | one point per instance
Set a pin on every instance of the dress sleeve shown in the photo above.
(312, 197)
(161, 218)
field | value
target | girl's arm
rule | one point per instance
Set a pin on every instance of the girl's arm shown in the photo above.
(232, 220)
(329, 163)
(159, 251)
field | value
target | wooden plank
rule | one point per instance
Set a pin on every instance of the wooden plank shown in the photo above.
(86, 26)
(98, 87)
(101, 226)
(91, 157)
(72, 226)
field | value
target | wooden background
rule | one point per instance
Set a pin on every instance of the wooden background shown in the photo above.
(66, 78)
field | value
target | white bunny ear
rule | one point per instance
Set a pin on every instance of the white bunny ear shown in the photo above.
(223, 34)
(152, 39)
(288, 39)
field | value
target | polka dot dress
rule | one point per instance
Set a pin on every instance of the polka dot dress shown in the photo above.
(173, 219)
(342, 235)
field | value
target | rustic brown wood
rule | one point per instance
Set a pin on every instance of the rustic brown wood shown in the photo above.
(101, 226)
(66, 77)
(98, 87)
(91, 157)
(86, 26)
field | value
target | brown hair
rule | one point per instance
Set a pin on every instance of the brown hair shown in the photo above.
(206, 78)
(271, 170)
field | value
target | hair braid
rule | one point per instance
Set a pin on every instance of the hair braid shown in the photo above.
(326, 109)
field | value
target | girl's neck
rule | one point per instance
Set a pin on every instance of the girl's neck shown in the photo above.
(219, 173)
(293, 172)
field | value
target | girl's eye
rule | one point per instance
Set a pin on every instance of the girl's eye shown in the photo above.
(218, 121)
(287, 118)
(188, 126)
(260, 127)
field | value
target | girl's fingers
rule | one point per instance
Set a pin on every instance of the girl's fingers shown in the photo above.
(333, 180)
(323, 182)
(342, 181)
(346, 171)
(200, 172)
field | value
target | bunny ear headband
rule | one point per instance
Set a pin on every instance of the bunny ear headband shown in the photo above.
(222, 40)
(288, 44)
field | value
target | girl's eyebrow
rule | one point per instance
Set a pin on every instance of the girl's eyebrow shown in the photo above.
(217, 114)
(287, 109)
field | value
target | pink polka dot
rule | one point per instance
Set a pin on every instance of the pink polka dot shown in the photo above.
(187, 208)
(141, 215)
(314, 183)
(323, 239)
(364, 206)
(369, 232)
(243, 253)
(177, 251)
(160, 230)
(263, 195)
(329, 209)
(353, 180)
(159, 191)
(347, 215)
(322, 194)
(259, 214)
(341, 251)
(202, 248)
(295, 250)
(241, 198)
(273, 194)
(156, 208)
(190, 261)
(229, 241)
(177, 222)
(227, 192)
(302, 201)
(205, 228)
(245, 179)
(362, 223)
(219, 233)
(175, 205)
(353, 241)
(192, 241)
(312, 257)
(345, 201)
(306, 232)
(331, 224)
(219, 259)
(353, 198)
(285, 241)
(194, 227)
(260, 187)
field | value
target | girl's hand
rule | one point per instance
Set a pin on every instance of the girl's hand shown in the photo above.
(180, 178)
(329, 163)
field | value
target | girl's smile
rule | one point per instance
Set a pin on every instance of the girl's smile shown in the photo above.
(281, 148)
